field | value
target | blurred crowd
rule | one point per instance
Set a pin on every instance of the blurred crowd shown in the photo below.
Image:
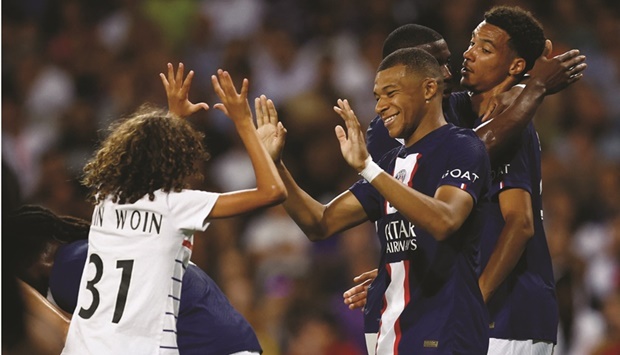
(71, 67)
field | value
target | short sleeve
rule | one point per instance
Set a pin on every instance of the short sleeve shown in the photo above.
(369, 198)
(468, 165)
(190, 208)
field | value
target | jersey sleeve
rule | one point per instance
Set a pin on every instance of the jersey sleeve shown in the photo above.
(518, 171)
(468, 165)
(190, 208)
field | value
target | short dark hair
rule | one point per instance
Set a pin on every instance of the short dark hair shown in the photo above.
(409, 35)
(416, 61)
(527, 37)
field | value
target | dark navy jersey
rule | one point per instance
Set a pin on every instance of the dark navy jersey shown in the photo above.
(524, 306)
(207, 322)
(456, 110)
(431, 300)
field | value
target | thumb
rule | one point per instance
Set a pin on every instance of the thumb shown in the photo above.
(221, 107)
(341, 135)
(548, 48)
(489, 111)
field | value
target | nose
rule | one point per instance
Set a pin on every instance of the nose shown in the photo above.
(468, 54)
(380, 106)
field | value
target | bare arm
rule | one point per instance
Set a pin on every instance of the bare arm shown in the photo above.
(269, 189)
(439, 215)
(548, 76)
(516, 207)
(316, 220)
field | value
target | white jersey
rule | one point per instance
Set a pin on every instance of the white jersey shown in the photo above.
(131, 285)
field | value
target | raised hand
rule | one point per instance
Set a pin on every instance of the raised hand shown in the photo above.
(560, 71)
(352, 143)
(234, 105)
(270, 131)
(177, 92)
(356, 296)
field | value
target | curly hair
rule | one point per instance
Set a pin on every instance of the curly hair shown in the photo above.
(527, 37)
(150, 150)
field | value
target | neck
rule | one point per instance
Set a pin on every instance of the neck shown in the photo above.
(480, 100)
(432, 120)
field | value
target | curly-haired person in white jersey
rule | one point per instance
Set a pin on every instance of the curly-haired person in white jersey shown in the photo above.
(142, 228)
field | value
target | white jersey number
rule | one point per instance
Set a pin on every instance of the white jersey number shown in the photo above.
(121, 298)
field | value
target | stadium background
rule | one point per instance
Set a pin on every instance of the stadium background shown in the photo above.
(70, 67)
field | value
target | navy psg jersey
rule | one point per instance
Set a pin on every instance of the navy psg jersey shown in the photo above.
(431, 300)
(207, 322)
(456, 110)
(524, 306)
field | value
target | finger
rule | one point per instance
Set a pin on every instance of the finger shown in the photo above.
(572, 62)
(489, 111)
(221, 107)
(273, 114)
(259, 113)
(244, 88)
(341, 135)
(217, 87)
(353, 291)
(227, 84)
(179, 77)
(199, 106)
(263, 108)
(567, 55)
(548, 48)
(170, 73)
(164, 81)
(282, 130)
(187, 83)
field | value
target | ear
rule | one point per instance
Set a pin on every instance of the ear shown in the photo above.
(429, 86)
(517, 66)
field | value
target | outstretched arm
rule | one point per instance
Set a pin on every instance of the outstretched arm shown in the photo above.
(548, 76)
(440, 215)
(316, 220)
(269, 189)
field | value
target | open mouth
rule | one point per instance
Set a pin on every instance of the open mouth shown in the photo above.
(388, 120)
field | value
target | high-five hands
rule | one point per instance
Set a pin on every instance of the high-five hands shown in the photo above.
(177, 92)
(234, 105)
(270, 131)
(352, 142)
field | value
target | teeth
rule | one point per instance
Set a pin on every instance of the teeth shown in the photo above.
(389, 119)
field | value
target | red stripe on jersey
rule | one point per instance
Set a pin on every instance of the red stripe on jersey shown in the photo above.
(389, 272)
(187, 244)
(415, 168)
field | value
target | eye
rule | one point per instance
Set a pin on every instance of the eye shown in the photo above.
(391, 93)
(486, 51)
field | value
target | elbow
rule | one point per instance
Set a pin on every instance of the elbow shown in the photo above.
(276, 195)
(445, 228)
(521, 225)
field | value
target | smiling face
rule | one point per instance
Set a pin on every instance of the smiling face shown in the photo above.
(489, 60)
(400, 100)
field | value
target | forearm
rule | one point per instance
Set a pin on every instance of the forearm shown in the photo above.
(501, 130)
(508, 250)
(434, 215)
(302, 208)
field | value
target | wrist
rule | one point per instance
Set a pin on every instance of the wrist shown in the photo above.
(371, 170)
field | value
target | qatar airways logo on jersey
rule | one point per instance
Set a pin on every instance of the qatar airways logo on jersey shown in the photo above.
(400, 236)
